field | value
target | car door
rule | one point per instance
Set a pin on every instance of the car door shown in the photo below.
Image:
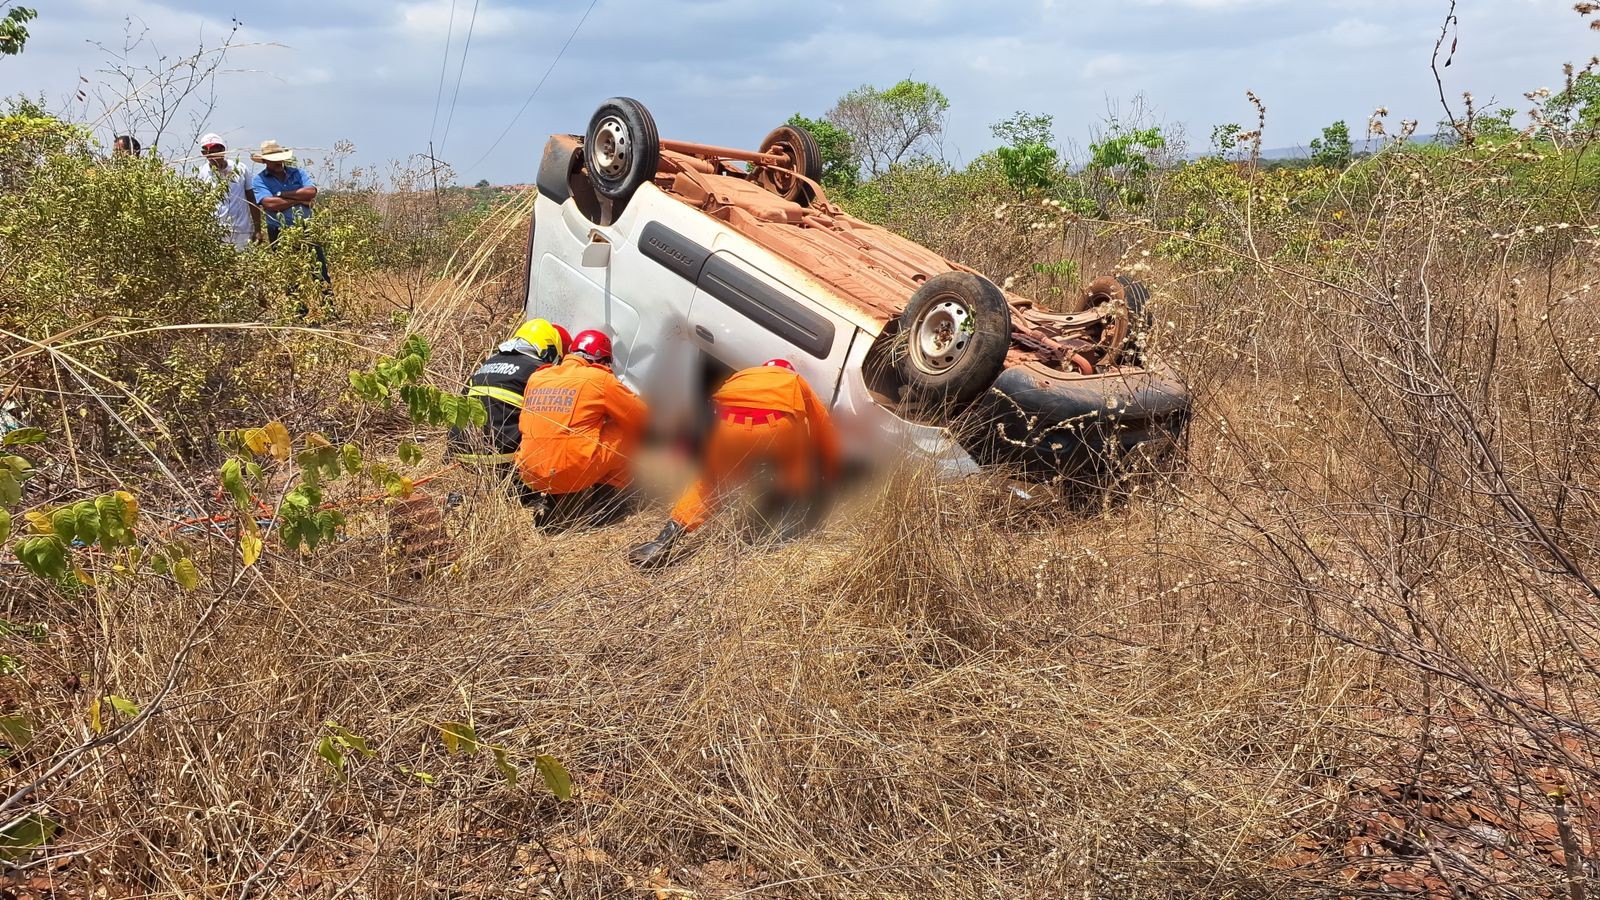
(743, 316)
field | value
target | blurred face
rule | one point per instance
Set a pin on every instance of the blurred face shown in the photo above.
(214, 157)
(275, 167)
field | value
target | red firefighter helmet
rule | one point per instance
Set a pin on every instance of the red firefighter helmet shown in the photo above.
(566, 339)
(593, 344)
(780, 363)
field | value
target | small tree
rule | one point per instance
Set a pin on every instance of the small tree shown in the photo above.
(1333, 149)
(1028, 160)
(888, 127)
(1225, 138)
(1122, 160)
(1574, 110)
(840, 173)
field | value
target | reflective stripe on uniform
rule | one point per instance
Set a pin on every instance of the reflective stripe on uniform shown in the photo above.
(486, 457)
(499, 393)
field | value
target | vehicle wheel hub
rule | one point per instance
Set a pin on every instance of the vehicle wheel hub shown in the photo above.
(613, 144)
(941, 336)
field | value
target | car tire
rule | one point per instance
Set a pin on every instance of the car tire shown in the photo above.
(1140, 318)
(621, 148)
(801, 147)
(956, 331)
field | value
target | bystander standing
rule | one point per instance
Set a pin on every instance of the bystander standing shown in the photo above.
(237, 210)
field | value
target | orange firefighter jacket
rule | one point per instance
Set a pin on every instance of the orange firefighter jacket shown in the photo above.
(580, 427)
(781, 390)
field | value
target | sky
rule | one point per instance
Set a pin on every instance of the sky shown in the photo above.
(726, 71)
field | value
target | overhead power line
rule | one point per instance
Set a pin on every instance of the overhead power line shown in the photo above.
(444, 65)
(562, 52)
(465, 49)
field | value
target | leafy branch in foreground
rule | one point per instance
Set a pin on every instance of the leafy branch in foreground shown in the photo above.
(399, 377)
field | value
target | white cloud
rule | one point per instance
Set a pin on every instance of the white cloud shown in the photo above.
(1359, 33)
(1107, 65)
(431, 20)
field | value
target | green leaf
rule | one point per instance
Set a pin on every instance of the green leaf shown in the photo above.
(10, 488)
(423, 777)
(64, 522)
(25, 834)
(123, 706)
(555, 776)
(17, 731)
(507, 770)
(23, 437)
(232, 473)
(459, 737)
(116, 519)
(187, 575)
(43, 555)
(87, 517)
(328, 749)
(349, 740)
(5, 525)
(159, 564)
(410, 453)
(352, 459)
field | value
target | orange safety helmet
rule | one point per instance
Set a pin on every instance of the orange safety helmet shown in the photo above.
(593, 344)
(780, 362)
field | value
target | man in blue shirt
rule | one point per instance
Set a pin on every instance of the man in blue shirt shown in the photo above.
(285, 193)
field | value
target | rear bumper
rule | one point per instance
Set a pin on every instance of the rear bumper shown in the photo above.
(1050, 424)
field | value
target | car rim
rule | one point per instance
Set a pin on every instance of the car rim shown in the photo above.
(613, 144)
(941, 337)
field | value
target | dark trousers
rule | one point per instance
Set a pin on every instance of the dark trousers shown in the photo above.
(293, 239)
(595, 507)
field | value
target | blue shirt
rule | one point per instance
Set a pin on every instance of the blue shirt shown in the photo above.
(268, 185)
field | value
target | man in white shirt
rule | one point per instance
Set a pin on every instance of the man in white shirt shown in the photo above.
(237, 211)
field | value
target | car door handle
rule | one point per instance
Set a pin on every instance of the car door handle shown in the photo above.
(704, 334)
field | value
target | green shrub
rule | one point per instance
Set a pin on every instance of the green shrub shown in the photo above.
(96, 256)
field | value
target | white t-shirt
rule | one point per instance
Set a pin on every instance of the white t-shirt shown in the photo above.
(233, 210)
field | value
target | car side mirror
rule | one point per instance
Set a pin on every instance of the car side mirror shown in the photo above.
(597, 254)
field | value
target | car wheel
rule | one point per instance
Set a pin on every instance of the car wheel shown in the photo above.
(956, 332)
(1140, 319)
(621, 147)
(805, 158)
(1115, 343)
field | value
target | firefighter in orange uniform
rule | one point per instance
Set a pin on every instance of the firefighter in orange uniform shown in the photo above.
(767, 414)
(580, 427)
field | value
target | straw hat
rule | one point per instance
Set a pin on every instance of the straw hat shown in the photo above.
(272, 151)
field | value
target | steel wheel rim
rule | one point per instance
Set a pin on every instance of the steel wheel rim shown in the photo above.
(613, 148)
(942, 335)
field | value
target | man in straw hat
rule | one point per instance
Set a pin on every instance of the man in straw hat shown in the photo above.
(286, 193)
(237, 210)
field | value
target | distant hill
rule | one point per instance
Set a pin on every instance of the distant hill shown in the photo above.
(1282, 154)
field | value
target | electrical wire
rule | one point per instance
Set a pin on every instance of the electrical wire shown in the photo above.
(465, 49)
(444, 66)
(542, 79)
